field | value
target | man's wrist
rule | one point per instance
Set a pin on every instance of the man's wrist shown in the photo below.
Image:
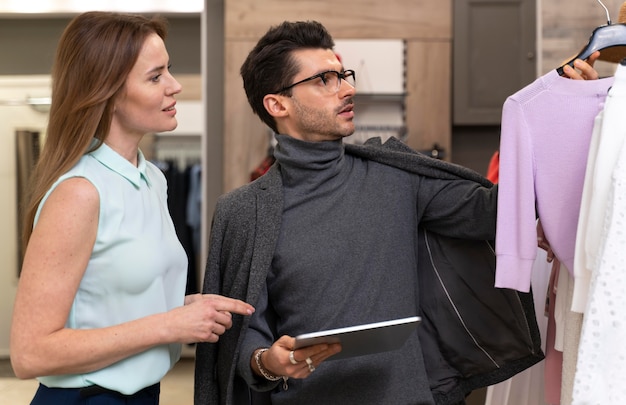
(261, 368)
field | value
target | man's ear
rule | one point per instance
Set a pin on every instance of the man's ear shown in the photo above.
(274, 104)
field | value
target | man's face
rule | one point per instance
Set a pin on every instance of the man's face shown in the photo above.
(318, 111)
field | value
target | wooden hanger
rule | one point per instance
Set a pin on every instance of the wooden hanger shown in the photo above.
(609, 38)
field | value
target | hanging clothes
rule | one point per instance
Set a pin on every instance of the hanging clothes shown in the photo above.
(586, 247)
(545, 139)
(493, 170)
(606, 143)
(601, 364)
(194, 206)
(178, 187)
(179, 157)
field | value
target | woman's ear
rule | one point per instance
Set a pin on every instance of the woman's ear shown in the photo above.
(274, 104)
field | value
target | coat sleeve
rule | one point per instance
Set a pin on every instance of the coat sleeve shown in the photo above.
(243, 236)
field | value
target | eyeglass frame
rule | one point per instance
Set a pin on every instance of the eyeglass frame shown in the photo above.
(340, 75)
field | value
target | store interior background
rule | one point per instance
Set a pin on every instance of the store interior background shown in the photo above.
(462, 59)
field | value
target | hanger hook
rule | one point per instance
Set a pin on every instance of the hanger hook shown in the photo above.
(608, 17)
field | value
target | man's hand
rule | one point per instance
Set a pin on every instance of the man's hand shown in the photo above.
(583, 70)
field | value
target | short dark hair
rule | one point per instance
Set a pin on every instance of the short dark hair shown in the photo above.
(270, 65)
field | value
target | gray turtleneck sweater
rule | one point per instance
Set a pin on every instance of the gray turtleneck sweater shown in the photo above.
(346, 255)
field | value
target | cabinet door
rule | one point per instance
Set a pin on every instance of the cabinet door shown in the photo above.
(494, 50)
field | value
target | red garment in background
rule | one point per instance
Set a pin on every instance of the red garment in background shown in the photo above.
(493, 168)
(262, 168)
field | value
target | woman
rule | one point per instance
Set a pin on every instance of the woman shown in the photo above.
(100, 312)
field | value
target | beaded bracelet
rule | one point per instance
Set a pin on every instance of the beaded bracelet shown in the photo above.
(265, 373)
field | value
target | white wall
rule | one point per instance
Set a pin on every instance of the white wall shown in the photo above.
(13, 92)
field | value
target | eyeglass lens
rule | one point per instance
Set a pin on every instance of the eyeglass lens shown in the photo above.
(332, 79)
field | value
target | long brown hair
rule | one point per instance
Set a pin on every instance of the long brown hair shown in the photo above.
(94, 56)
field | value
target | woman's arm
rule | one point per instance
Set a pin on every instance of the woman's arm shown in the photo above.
(54, 263)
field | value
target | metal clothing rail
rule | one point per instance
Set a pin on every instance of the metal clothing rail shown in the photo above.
(185, 150)
(398, 129)
(364, 132)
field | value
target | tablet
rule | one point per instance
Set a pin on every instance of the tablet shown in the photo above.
(363, 339)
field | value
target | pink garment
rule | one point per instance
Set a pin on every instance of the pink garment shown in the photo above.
(546, 131)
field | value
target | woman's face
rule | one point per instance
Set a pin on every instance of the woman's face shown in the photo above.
(147, 103)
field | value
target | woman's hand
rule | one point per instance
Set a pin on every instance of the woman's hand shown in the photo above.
(205, 317)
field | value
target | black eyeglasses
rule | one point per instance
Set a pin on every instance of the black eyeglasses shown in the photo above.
(330, 78)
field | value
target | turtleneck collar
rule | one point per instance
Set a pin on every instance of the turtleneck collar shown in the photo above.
(308, 164)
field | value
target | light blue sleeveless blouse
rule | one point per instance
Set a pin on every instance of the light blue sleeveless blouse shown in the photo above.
(137, 268)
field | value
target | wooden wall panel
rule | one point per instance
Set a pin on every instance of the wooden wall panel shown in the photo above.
(428, 85)
(566, 30)
(425, 24)
(344, 19)
(245, 136)
(192, 86)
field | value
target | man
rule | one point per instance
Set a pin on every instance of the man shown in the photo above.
(338, 235)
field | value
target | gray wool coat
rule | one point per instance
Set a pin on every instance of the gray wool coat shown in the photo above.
(472, 335)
